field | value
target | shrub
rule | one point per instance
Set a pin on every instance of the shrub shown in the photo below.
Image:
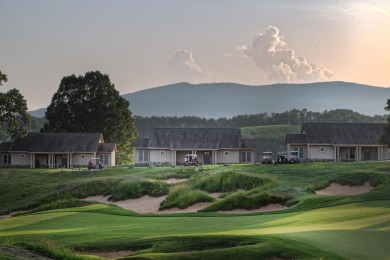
(229, 181)
(61, 204)
(137, 189)
(51, 249)
(244, 200)
(182, 196)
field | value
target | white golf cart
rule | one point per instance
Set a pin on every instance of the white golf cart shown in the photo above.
(94, 164)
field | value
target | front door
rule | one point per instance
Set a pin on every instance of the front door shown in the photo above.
(206, 158)
(367, 154)
(64, 161)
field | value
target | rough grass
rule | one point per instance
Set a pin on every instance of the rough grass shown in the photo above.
(136, 189)
(244, 200)
(228, 182)
(43, 249)
(181, 196)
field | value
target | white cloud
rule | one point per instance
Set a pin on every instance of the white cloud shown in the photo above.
(183, 68)
(270, 54)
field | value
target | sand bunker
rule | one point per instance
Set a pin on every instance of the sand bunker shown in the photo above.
(337, 189)
(150, 205)
(174, 180)
(147, 205)
(143, 205)
(269, 207)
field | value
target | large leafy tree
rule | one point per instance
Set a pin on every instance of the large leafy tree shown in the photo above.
(90, 103)
(13, 111)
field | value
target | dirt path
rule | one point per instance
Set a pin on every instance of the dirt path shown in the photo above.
(337, 189)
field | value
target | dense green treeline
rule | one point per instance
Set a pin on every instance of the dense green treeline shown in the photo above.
(292, 117)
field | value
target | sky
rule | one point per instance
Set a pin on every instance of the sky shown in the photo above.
(142, 44)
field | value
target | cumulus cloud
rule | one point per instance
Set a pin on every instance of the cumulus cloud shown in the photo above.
(269, 52)
(183, 67)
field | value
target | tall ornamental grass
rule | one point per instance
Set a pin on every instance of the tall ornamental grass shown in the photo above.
(182, 196)
(229, 181)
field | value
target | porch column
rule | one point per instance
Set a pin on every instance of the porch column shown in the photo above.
(175, 157)
(307, 152)
(335, 153)
(379, 153)
(357, 153)
(288, 150)
(31, 160)
(338, 153)
(360, 153)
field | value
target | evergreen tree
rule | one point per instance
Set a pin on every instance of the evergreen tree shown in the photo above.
(90, 103)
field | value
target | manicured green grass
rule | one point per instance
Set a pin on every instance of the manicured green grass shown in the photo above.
(333, 227)
(94, 228)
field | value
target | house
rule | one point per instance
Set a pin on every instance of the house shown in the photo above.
(54, 150)
(339, 142)
(211, 146)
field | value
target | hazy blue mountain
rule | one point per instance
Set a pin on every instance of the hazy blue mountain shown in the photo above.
(40, 112)
(228, 99)
(217, 100)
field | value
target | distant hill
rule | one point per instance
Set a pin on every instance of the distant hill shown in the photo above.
(217, 100)
(38, 113)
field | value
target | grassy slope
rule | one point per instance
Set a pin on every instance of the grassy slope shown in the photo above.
(270, 137)
(355, 227)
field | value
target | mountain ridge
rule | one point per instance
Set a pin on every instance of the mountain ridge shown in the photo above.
(216, 100)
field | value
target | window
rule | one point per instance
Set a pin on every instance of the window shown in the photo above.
(83, 156)
(143, 156)
(7, 159)
(103, 159)
(322, 149)
(300, 152)
(162, 152)
(246, 157)
(22, 156)
(226, 153)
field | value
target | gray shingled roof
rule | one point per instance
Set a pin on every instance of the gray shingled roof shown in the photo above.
(296, 138)
(343, 133)
(248, 143)
(57, 142)
(141, 142)
(4, 147)
(106, 147)
(192, 138)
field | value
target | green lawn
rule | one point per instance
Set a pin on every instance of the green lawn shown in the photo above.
(333, 227)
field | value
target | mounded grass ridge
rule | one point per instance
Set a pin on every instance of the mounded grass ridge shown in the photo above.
(228, 182)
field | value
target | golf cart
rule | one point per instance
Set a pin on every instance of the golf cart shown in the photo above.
(282, 158)
(294, 157)
(267, 158)
(94, 164)
(191, 160)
